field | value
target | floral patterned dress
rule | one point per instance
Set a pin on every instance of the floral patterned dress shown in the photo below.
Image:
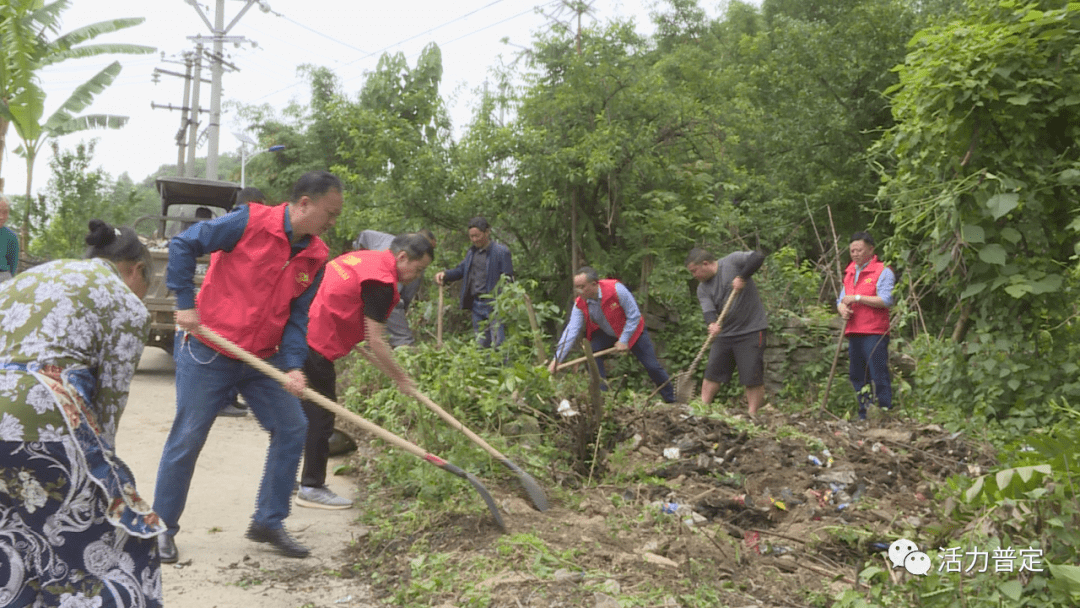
(73, 531)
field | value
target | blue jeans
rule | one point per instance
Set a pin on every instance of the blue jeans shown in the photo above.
(203, 380)
(645, 353)
(869, 355)
(495, 333)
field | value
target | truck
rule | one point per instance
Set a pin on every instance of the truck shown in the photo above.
(185, 201)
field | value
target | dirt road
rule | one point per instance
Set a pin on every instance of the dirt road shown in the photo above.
(218, 566)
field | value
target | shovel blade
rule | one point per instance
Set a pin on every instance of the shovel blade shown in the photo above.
(684, 388)
(533, 489)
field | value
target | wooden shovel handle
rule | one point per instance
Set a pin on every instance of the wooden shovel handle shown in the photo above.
(606, 351)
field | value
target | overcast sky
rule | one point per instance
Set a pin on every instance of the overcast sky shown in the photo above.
(347, 36)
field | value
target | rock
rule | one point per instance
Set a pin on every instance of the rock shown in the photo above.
(563, 575)
(659, 560)
(844, 476)
(611, 587)
(604, 600)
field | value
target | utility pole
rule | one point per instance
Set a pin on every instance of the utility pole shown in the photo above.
(219, 36)
(188, 114)
(193, 123)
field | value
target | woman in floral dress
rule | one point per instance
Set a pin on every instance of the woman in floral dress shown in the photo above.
(74, 532)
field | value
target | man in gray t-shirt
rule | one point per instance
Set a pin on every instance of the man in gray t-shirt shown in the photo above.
(397, 325)
(739, 338)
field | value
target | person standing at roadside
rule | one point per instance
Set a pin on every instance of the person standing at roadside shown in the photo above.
(609, 315)
(74, 531)
(397, 325)
(9, 243)
(265, 269)
(356, 297)
(484, 263)
(864, 305)
(739, 338)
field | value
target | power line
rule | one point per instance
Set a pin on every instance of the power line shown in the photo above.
(390, 46)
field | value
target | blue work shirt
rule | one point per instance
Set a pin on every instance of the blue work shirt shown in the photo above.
(222, 234)
(577, 320)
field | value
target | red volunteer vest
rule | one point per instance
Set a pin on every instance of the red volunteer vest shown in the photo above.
(248, 292)
(864, 319)
(613, 312)
(336, 319)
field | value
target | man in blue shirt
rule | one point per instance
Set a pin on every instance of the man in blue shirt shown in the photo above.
(266, 267)
(608, 314)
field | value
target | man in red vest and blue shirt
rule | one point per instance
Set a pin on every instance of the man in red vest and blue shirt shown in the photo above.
(265, 267)
(609, 315)
(864, 304)
(356, 297)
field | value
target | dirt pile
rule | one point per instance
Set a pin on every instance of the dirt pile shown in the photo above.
(700, 509)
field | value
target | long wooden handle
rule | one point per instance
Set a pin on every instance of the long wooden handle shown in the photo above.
(710, 338)
(438, 321)
(310, 395)
(446, 416)
(606, 351)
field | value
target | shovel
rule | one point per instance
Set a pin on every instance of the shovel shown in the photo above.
(533, 489)
(832, 370)
(355, 418)
(684, 382)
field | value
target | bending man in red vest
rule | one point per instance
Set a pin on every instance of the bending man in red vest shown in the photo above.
(864, 303)
(265, 268)
(608, 313)
(354, 301)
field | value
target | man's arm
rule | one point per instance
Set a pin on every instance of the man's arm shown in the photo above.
(457, 272)
(750, 263)
(507, 263)
(294, 348)
(381, 355)
(570, 334)
(633, 313)
(220, 234)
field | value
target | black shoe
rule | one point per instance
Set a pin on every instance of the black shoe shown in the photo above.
(166, 546)
(279, 538)
(233, 411)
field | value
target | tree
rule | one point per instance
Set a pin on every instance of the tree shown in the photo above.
(76, 193)
(25, 27)
(983, 192)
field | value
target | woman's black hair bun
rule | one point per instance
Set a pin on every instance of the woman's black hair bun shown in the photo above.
(101, 234)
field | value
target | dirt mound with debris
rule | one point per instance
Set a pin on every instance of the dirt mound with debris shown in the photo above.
(764, 512)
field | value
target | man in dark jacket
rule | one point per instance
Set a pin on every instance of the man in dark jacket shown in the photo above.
(484, 263)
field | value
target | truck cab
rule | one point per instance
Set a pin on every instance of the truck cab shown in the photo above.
(185, 201)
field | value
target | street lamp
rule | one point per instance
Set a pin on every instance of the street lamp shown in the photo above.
(246, 139)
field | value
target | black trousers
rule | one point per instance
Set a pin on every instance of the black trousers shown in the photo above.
(322, 379)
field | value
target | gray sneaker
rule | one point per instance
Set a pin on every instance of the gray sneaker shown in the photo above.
(321, 498)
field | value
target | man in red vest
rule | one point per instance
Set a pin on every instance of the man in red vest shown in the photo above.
(609, 315)
(265, 267)
(864, 304)
(354, 301)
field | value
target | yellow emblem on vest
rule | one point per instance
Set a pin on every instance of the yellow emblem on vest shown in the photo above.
(351, 259)
(302, 277)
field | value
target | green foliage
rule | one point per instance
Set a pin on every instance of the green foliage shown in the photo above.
(1030, 505)
(987, 111)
